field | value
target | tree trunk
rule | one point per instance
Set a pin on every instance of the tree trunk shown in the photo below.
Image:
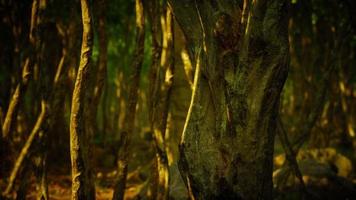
(130, 112)
(240, 53)
(100, 76)
(161, 79)
(24, 151)
(21, 87)
(40, 132)
(36, 43)
(82, 183)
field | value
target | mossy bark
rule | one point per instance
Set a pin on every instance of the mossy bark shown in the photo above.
(240, 53)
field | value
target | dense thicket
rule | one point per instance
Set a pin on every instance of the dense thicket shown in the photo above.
(177, 99)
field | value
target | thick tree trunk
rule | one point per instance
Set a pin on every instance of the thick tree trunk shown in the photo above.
(240, 53)
(130, 112)
(82, 183)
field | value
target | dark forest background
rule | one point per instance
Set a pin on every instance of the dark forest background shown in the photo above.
(138, 62)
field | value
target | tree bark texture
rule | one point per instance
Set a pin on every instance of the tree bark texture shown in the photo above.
(240, 53)
(82, 183)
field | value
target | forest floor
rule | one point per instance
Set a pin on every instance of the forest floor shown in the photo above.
(59, 178)
(59, 186)
(141, 168)
(60, 189)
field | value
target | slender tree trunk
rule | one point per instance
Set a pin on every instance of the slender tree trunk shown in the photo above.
(40, 132)
(129, 121)
(82, 183)
(290, 155)
(41, 157)
(99, 80)
(24, 152)
(51, 93)
(36, 20)
(21, 191)
(104, 110)
(21, 87)
(161, 78)
(241, 56)
(103, 45)
(154, 10)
